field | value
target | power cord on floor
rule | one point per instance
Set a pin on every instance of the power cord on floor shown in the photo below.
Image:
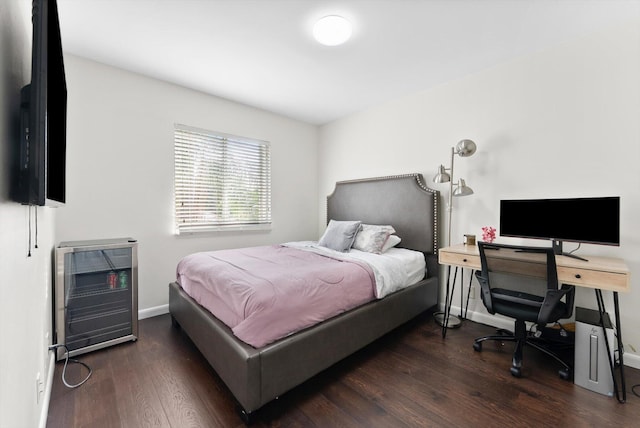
(66, 363)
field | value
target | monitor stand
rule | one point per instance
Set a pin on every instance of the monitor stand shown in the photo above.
(557, 250)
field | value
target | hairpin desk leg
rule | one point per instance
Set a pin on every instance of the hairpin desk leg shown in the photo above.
(445, 316)
(445, 319)
(602, 310)
(623, 383)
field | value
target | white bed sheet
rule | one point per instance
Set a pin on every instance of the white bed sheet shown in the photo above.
(394, 269)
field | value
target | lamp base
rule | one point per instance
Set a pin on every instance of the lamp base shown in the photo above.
(452, 321)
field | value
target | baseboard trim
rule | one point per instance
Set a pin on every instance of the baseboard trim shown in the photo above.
(153, 312)
(630, 360)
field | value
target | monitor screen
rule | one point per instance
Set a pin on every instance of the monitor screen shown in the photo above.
(583, 220)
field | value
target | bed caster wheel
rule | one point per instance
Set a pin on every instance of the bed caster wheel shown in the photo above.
(564, 374)
(247, 417)
(174, 323)
(477, 346)
(516, 372)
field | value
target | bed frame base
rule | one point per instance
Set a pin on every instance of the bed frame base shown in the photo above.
(257, 376)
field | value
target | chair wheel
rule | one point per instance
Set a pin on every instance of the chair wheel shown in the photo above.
(516, 372)
(477, 346)
(564, 374)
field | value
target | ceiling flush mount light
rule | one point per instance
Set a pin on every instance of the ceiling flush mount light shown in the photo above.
(332, 30)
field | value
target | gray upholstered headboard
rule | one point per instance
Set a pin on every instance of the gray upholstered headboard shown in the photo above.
(403, 201)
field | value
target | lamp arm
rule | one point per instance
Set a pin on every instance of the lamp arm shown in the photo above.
(450, 205)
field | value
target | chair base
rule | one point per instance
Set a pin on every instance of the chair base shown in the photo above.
(522, 337)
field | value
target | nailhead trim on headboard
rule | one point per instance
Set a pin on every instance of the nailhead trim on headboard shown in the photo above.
(419, 180)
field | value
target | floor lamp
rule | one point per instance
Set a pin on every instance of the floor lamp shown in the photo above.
(464, 148)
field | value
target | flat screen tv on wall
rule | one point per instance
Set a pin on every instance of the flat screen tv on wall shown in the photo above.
(40, 177)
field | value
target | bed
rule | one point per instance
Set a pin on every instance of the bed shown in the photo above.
(255, 376)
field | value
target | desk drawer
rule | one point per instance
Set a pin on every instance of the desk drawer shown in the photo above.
(459, 259)
(594, 279)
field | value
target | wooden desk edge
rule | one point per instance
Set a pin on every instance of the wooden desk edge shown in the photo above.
(611, 265)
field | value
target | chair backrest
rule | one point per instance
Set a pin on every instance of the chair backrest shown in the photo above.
(520, 272)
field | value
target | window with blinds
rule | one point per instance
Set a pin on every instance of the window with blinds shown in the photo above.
(221, 181)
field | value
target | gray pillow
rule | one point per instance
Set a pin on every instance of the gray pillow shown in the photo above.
(371, 238)
(340, 235)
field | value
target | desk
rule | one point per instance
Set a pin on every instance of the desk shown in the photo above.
(599, 273)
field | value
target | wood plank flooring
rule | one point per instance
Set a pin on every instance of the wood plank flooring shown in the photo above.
(409, 378)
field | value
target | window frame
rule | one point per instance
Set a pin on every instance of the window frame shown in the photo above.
(223, 155)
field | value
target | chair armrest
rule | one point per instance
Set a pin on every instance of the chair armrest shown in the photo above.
(552, 298)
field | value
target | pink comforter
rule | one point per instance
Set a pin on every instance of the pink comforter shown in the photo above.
(266, 293)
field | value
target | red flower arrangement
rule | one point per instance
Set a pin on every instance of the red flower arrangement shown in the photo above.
(488, 233)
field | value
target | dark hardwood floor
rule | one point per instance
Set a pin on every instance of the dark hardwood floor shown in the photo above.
(411, 377)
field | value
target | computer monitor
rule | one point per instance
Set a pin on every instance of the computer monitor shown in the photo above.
(583, 220)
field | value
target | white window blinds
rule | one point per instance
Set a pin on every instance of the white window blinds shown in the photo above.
(221, 181)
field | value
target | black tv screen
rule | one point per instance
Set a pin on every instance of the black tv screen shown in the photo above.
(56, 140)
(41, 172)
(583, 220)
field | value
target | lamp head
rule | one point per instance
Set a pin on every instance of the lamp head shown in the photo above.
(442, 176)
(465, 148)
(462, 189)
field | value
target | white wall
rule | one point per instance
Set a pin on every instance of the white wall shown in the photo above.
(559, 123)
(120, 168)
(25, 297)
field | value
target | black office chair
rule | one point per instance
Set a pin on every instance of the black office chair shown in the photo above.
(522, 283)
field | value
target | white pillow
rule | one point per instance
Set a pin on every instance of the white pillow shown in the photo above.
(392, 241)
(339, 235)
(372, 238)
